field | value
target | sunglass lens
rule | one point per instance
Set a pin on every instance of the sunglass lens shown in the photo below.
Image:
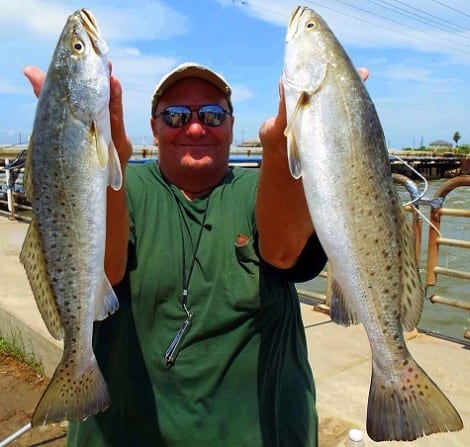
(177, 116)
(211, 115)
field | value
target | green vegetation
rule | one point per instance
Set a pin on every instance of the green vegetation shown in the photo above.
(14, 347)
(463, 149)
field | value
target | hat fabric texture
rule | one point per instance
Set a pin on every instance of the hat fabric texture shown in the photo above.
(191, 70)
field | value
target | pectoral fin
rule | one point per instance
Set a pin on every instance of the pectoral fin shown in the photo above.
(101, 145)
(293, 156)
(293, 153)
(114, 168)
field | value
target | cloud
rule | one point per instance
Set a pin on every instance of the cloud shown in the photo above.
(241, 93)
(132, 23)
(116, 20)
(8, 87)
(44, 18)
(139, 73)
(425, 27)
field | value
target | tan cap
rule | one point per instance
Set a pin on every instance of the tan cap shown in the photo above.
(191, 70)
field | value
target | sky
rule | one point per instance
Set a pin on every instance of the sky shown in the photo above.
(417, 52)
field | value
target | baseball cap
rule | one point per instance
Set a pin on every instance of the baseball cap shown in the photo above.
(191, 70)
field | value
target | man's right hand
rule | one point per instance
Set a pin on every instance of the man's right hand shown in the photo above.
(123, 145)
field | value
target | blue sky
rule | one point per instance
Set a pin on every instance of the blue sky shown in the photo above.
(417, 52)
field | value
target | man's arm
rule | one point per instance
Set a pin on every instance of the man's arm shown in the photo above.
(282, 216)
(117, 218)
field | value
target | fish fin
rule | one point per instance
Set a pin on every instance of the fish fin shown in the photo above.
(411, 305)
(341, 311)
(28, 175)
(293, 153)
(32, 258)
(107, 153)
(101, 145)
(114, 169)
(106, 302)
(293, 156)
(71, 396)
(409, 407)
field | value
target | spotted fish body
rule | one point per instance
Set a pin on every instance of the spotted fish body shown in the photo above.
(71, 160)
(336, 145)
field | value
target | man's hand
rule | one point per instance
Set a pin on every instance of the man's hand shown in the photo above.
(36, 77)
(272, 130)
(123, 145)
(282, 215)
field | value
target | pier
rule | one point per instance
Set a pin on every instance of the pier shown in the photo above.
(340, 357)
(431, 165)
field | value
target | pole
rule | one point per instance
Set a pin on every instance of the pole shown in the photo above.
(15, 435)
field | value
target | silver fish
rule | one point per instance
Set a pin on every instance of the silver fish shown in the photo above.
(336, 145)
(71, 159)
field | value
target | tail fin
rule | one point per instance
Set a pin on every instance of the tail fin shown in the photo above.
(410, 407)
(72, 397)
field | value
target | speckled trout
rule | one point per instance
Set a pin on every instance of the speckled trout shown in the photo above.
(336, 145)
(71, 160)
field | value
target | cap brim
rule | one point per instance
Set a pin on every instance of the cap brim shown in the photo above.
(191, 70)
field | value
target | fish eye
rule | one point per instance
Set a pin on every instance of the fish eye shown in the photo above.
(310, 25)
(78, 46)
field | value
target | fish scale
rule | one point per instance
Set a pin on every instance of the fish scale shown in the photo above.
(336, 145)
(70, 162)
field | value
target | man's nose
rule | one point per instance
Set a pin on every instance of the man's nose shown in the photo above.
(195, 128)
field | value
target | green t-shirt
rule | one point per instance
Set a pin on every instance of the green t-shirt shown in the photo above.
(242, 376)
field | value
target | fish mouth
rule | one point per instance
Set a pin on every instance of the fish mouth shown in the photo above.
(293, 21)
(297, 11)
(90, 24)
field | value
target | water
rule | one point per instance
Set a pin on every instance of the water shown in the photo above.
(438, 318)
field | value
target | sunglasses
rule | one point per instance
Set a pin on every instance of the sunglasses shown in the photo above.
(211, 115)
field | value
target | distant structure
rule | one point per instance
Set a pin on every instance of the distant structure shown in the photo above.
(251, 142)
(440, 144)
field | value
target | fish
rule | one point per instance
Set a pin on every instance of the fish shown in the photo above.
(336, 146)
(71, 160)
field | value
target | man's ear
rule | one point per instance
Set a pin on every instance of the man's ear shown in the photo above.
(153, 125)
(233, 122)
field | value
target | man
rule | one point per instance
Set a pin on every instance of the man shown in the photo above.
(208, 346)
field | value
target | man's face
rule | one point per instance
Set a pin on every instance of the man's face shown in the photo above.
(194, 147)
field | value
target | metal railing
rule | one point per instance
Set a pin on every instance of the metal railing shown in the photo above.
(11, 187)
(436, 240)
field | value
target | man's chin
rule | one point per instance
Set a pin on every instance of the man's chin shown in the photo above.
(195, 162)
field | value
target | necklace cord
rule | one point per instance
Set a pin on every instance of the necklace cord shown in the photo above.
(175, 346)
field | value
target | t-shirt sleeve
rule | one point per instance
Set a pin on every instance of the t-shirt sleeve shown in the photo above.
(311, 262)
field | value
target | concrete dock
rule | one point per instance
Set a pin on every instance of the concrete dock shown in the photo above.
(340, 357)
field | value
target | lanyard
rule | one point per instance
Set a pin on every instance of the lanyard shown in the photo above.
(175, 346)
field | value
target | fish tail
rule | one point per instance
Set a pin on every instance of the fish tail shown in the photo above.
(408, 408)
(73, 397)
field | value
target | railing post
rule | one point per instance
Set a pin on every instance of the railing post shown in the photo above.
(10, 196)
(433, 247)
